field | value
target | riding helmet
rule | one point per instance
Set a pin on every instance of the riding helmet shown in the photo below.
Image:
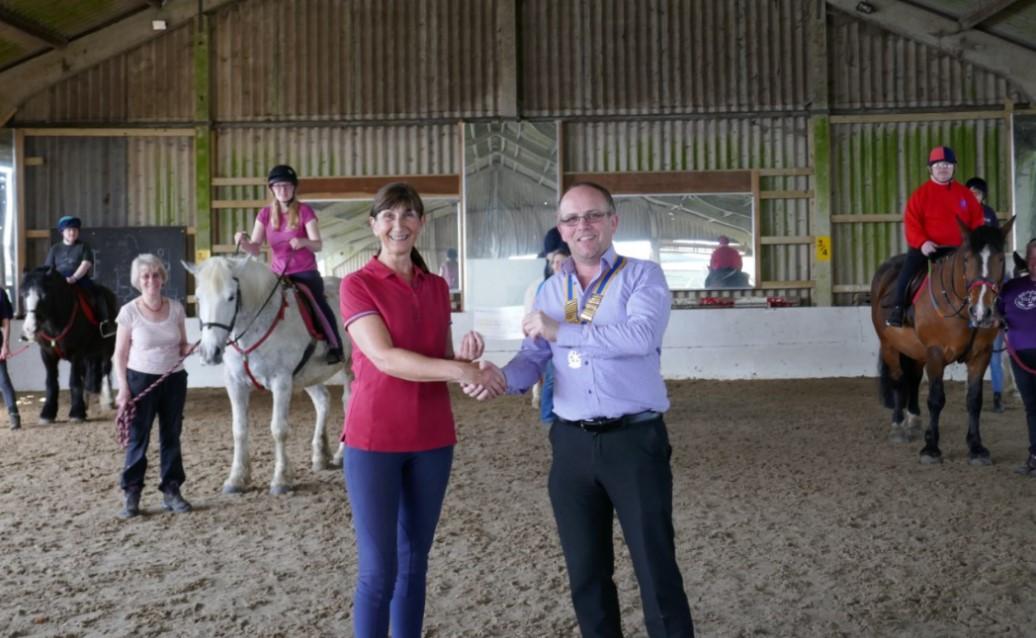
(282, 173)
(942, 154)
(978, 184)
(69, 221)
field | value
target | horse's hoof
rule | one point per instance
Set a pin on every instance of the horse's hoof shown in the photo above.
(232, 489)
(928, 459)
(898, 435)
(980, 460)
(76, 419)
(279, 490)
(46, 421)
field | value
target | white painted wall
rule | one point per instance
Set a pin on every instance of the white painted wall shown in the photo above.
(728, 343)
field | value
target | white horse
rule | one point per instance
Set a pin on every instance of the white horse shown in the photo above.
(253, 324)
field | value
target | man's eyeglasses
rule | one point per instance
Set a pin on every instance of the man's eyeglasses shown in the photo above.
(593, 217)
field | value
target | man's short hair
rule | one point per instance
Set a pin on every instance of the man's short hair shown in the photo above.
(597, 187)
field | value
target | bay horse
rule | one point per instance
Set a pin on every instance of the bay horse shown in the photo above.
(59, 318)
(954, 320)
(259, 328)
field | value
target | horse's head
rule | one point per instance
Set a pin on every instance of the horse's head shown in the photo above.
(984, 270)
(44, 294)
(226, 289)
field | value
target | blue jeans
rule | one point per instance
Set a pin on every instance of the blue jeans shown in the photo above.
(547, 395)
(996, 369)
(7, 389)
(396, 498)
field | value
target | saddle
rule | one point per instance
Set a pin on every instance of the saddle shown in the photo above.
(310, 312)
(914, 288)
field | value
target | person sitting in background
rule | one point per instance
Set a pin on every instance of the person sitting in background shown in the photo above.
(293, 232)
(980, 190)
(1017, 306)
(725, 266)
(930, 222)
(151, 339)
(6, 314)
(74, 259)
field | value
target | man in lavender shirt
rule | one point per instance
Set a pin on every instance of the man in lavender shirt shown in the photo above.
(600, 319)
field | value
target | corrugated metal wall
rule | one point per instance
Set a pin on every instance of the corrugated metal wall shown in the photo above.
(367, 59)
(875, 168)
(431, 149)
(663, 56)
(872, 68)
(152, 83)
(712, 144)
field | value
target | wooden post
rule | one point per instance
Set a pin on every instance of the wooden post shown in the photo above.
(202, 141)
(820, 156)
(507, 52)
(19, 204)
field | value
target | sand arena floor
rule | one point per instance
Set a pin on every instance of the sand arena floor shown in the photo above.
(794, 517)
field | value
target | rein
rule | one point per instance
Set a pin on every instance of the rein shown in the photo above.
(1015, 357)
(71, 322)
(946, 290)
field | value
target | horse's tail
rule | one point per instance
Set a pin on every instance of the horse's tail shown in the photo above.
(886, 385)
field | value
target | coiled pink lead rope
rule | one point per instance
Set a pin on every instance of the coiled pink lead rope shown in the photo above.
(126, 414)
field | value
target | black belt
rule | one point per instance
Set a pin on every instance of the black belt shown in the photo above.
(605, 424)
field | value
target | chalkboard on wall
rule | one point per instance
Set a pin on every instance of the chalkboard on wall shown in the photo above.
(115, 248)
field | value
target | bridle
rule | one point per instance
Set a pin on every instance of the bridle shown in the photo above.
(969, 285)
(231, 339)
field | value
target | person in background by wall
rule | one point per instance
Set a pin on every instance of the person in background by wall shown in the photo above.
(293, 232)
(74, 259)
(6, 314)
(1017, 306)
(980, 190)
(450, 270)
(930, 222)
(151, 339)
(555, 252)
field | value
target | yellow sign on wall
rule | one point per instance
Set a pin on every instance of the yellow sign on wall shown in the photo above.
(823, 244)
(201, 255)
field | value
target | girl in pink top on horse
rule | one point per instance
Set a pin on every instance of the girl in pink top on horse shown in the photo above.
(293, 232)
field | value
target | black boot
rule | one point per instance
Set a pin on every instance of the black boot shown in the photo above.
(895, 318)
(1029, 467)
(15, 419)
(334, 356)
(998, 402)
(132, 505)
(173, 502)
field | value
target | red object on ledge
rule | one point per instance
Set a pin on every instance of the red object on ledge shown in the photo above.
(780, 302)
(719, 302)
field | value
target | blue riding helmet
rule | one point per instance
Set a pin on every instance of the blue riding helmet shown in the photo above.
(68, 221)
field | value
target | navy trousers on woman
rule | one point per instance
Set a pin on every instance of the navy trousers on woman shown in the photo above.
(626, 472)
(396, 498)
(166, 402)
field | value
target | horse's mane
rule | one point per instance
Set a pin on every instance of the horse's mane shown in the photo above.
(986, 236)
(38, 277)
(255, 279)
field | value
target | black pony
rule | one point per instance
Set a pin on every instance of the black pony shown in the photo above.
(57, 317)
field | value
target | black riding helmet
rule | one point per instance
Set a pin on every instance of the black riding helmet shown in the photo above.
(979, 184)
(282, 173)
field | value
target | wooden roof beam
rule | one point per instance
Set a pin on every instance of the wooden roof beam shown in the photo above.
(32, 28)
(983, 12)
(982, 49)
(29, 78)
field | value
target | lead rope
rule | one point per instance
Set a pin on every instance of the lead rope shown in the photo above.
(129, 411)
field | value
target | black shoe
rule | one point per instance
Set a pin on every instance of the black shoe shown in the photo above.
(173, 502)
(1029, 467)
(895, 318)
(16, 420)
(998, 402)
(132, 506)
(334, 356)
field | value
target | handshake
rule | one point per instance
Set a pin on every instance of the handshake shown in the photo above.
(479, 379)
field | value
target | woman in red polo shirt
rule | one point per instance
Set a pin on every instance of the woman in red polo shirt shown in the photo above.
(399, 432)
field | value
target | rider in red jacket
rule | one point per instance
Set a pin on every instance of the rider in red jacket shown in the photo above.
(930, 221)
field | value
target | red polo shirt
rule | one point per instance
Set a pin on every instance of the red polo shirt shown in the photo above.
(388, 414)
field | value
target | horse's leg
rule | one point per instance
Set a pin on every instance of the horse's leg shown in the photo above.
(76, 374)
(50, 402)
(279, 427)
(913, 374)
(936, 400)
(321, 399)
(977, 454)
(107, 400)
(891, 383)
(241, 468)
(346, 391)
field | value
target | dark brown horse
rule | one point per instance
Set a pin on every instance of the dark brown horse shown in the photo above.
(953, 320)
